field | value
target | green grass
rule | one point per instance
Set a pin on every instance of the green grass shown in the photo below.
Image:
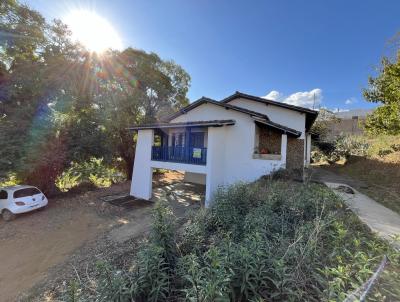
(267, 241)
(381, 142)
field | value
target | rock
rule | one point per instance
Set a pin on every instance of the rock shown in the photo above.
(345, 189)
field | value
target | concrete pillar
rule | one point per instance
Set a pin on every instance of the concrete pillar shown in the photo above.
(215, 161)
(308, 150)
(142, 177)
(284, 150)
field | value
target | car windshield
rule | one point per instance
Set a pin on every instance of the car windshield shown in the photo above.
(26, 192)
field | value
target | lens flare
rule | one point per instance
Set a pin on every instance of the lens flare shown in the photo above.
(92, 30)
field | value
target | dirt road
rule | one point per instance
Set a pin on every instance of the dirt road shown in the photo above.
(36, 241)
(38, 248)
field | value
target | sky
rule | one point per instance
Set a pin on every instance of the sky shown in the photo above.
(307, 53)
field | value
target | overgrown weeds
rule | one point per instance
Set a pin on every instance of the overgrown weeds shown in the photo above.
(267, 241)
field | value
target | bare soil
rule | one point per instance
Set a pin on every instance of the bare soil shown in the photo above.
(40, 250)
(36, 241)
(378, 177)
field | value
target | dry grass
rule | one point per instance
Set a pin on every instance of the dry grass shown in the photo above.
(381, 176)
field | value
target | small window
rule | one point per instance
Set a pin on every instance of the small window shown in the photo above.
(26, 192)
(3, 194)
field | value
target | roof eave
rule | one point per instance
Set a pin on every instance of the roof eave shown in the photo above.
(213, 123)
(283, 129)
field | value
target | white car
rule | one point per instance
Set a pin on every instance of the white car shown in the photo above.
(20, 199)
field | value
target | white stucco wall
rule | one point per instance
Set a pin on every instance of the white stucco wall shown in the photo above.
(141, 185)
(308, 149)
(229, 150)
(286, 117)
(233, 144)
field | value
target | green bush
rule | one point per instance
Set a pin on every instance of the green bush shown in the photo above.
(267, 241)
(342, 148)
(94, 171)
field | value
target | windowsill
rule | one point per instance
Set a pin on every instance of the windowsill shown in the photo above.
(267, 156)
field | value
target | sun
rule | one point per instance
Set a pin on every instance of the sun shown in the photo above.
(92, 30)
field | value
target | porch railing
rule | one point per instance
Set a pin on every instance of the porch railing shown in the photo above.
(187, 155)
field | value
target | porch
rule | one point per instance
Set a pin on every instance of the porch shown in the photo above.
(193, 147)
(177, 154)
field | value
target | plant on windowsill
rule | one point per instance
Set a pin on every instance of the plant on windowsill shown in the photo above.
(265, 154)
(264, 151)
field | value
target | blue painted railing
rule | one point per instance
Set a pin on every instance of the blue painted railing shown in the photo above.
(194, 156)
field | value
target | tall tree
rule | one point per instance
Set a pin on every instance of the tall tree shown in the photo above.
(140, 88)
(385, 89)
(60, 103)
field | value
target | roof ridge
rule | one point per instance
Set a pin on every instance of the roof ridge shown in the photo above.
(218, 103)
(249, 96)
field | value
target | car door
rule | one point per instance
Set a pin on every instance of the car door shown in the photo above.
(3, 199)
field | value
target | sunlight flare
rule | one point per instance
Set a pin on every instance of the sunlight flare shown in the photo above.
(92, 30)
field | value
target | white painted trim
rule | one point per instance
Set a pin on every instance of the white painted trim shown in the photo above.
(308, 150)
(178, 166)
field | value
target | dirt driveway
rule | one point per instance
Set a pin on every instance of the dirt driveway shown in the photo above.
(36, 241)
(37, 247)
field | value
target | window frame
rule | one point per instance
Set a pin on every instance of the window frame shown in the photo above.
(1, 191)
(24, 189)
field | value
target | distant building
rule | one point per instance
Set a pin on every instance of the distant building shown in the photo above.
(349, 122)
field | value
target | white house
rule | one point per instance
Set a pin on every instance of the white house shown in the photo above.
(239, 138)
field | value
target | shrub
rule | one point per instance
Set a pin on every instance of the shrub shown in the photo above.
(267, 241)
(342, 148)
(94, 171)
(384, 152)
(395, 147)
(9, 180)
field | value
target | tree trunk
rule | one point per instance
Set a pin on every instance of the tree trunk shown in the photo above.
(129, 161)
(129, 171)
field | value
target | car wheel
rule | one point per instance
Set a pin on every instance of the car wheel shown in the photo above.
(8, 215)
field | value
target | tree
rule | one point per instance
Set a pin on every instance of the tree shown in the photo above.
(385, 89)
(138, 87)
(60, 104)
(47, 87)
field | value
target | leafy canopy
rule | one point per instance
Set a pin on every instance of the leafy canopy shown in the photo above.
(385, 89)
(61, 104)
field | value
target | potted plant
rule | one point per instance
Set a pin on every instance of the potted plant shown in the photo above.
(264, 151)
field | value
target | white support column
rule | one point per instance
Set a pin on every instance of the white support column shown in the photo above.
(142, 177)
(215, 161)
(284, 150)
(308, 149)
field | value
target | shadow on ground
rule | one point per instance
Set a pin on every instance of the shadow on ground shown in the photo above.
(378, 178)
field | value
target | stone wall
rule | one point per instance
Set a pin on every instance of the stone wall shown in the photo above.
(295, 153)
(269, 140)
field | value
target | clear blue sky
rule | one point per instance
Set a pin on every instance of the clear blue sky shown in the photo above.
(257, 46)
